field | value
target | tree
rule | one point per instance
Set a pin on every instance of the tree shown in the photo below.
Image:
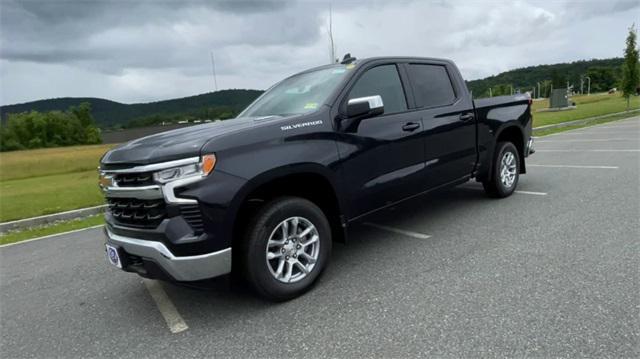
(34, 129)
(558, 79)
(602, 78)
(630, 67)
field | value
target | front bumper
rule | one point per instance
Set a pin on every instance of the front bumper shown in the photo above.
(154, 260)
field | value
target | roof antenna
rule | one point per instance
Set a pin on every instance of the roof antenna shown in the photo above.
(347, 59)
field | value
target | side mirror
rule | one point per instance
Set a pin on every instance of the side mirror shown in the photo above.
(364, 107)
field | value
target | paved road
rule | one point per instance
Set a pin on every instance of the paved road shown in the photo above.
(532, 275)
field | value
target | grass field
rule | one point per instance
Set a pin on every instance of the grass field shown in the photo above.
(44, 181)
(587, 106)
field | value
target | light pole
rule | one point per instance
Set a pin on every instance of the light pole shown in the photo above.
(213, 70)
(538, 89)
(588, 85)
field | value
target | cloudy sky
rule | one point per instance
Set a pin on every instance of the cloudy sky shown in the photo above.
(140, 51)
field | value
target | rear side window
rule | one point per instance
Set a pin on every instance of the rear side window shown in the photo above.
(384, 81)
(431, 85)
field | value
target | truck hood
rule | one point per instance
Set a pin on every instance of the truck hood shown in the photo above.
(175, 144)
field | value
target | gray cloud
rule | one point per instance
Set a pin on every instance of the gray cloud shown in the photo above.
(149, 50)
(134, 34)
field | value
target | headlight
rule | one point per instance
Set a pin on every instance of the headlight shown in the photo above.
(202, 169)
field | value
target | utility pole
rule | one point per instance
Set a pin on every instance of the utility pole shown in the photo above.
(213, 69)
(588, 85)
(538, 89)
(511, 90)
(581, 84)
(490, 94)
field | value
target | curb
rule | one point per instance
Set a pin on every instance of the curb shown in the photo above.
(584, 120)
(50, 218)
(50, 236)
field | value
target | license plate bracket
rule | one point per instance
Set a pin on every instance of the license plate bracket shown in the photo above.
(114, 255)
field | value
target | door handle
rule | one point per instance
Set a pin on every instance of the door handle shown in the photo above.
(466, 117)
(410, 126)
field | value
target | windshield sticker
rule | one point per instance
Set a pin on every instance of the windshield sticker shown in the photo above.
(311, 106)
(301, 125)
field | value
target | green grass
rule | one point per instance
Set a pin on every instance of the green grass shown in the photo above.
(587, 106)
(60, 227)
(37, 196)
(49, 161)
(45, 181)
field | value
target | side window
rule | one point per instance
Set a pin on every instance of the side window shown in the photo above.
(384, 81)
(431, 85)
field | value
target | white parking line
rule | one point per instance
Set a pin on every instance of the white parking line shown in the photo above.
(573, 166)
(399, 231)
(476, 188)
(589, 140)
(174, 321)
(537, 150)
(532, 193)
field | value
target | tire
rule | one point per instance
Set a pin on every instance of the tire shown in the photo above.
(268, 277)
(499, 186)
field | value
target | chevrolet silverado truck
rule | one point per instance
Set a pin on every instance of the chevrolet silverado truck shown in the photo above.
(265, 194)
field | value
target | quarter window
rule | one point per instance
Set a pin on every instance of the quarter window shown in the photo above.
(384, 81)
(431, 85)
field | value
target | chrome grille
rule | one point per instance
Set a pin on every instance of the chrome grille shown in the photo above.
(134, 179)
(136, 212)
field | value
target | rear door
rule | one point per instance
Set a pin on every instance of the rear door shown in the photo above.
(447, 114)
(383, 157)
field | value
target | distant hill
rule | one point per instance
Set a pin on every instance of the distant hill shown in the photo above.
(528, 77)
(110, 114)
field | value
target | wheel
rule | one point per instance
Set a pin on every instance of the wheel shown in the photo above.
(286, 248)
(505, 172)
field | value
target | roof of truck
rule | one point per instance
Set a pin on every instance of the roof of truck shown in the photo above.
(366, 60)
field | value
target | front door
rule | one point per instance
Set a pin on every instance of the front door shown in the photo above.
(383, 158)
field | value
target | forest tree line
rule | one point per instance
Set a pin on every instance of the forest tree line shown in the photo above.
(604, 74)
(33, 129)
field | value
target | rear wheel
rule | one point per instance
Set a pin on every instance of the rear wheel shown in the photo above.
(505, 173)
(287, 246)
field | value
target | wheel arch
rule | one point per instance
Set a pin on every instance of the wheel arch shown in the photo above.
(514, 133)
(307, 180)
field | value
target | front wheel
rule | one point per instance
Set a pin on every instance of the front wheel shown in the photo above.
(505, 172)
(287, 246)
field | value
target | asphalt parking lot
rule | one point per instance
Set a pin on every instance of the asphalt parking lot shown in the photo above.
(552, 271)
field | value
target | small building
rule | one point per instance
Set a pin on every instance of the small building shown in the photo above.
(559, 99)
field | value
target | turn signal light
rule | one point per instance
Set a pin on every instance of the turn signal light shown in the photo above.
(208, 163)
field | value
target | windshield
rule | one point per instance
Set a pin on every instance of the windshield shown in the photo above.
(297, 94)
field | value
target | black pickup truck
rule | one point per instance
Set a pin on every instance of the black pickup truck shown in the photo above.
(265, 194)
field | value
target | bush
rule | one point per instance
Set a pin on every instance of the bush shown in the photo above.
(34, 129)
